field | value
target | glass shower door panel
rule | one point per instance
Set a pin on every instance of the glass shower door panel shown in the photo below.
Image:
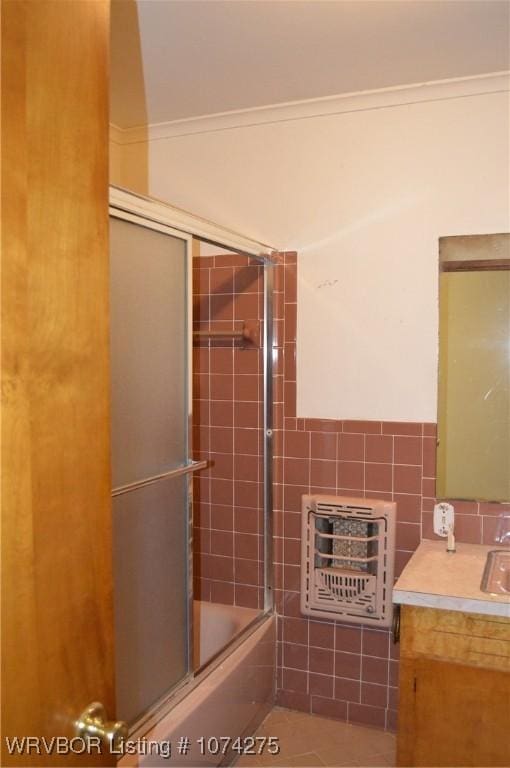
(150, 594)
(148, 309)
(149, 369)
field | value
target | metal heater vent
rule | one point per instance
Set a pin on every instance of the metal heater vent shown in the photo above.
(347, 556)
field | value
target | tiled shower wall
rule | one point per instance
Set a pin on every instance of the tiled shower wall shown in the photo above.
(227, 431)
(329, 668)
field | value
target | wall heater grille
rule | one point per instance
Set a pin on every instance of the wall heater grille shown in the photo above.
(347, 557)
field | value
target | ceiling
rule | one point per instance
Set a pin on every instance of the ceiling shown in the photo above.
(175, 59)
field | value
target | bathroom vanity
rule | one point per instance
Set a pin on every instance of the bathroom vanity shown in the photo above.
(454, 705)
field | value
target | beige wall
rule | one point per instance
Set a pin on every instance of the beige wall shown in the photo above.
(115, 159)
(363, 197)
(128, 165)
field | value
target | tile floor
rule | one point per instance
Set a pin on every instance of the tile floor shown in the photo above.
(310, 740)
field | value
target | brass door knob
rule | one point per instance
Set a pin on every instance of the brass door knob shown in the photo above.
(93, 723)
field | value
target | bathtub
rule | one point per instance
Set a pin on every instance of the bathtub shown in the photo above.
(228, 698)
(214, 625)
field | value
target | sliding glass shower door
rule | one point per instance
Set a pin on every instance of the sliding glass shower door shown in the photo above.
(150, 333)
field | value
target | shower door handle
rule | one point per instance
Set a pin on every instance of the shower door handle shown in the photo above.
(185, 469)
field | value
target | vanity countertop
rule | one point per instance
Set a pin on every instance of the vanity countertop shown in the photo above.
(435, 578)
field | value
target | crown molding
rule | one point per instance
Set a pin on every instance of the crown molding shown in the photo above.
(437, 90)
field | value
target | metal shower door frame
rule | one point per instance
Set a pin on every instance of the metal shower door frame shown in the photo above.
(190, 466)
(156, 215)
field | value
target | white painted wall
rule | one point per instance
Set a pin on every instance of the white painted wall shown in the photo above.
(363, 197)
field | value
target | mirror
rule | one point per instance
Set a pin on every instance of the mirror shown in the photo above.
(473, 455)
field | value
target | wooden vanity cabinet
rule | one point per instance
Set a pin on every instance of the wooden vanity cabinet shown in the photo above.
(454, 706)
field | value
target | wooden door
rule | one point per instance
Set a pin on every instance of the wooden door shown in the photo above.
(453, 714)
(57, 628)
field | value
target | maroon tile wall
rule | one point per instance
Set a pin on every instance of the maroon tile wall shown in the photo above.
(227, 431)
(339, 670)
